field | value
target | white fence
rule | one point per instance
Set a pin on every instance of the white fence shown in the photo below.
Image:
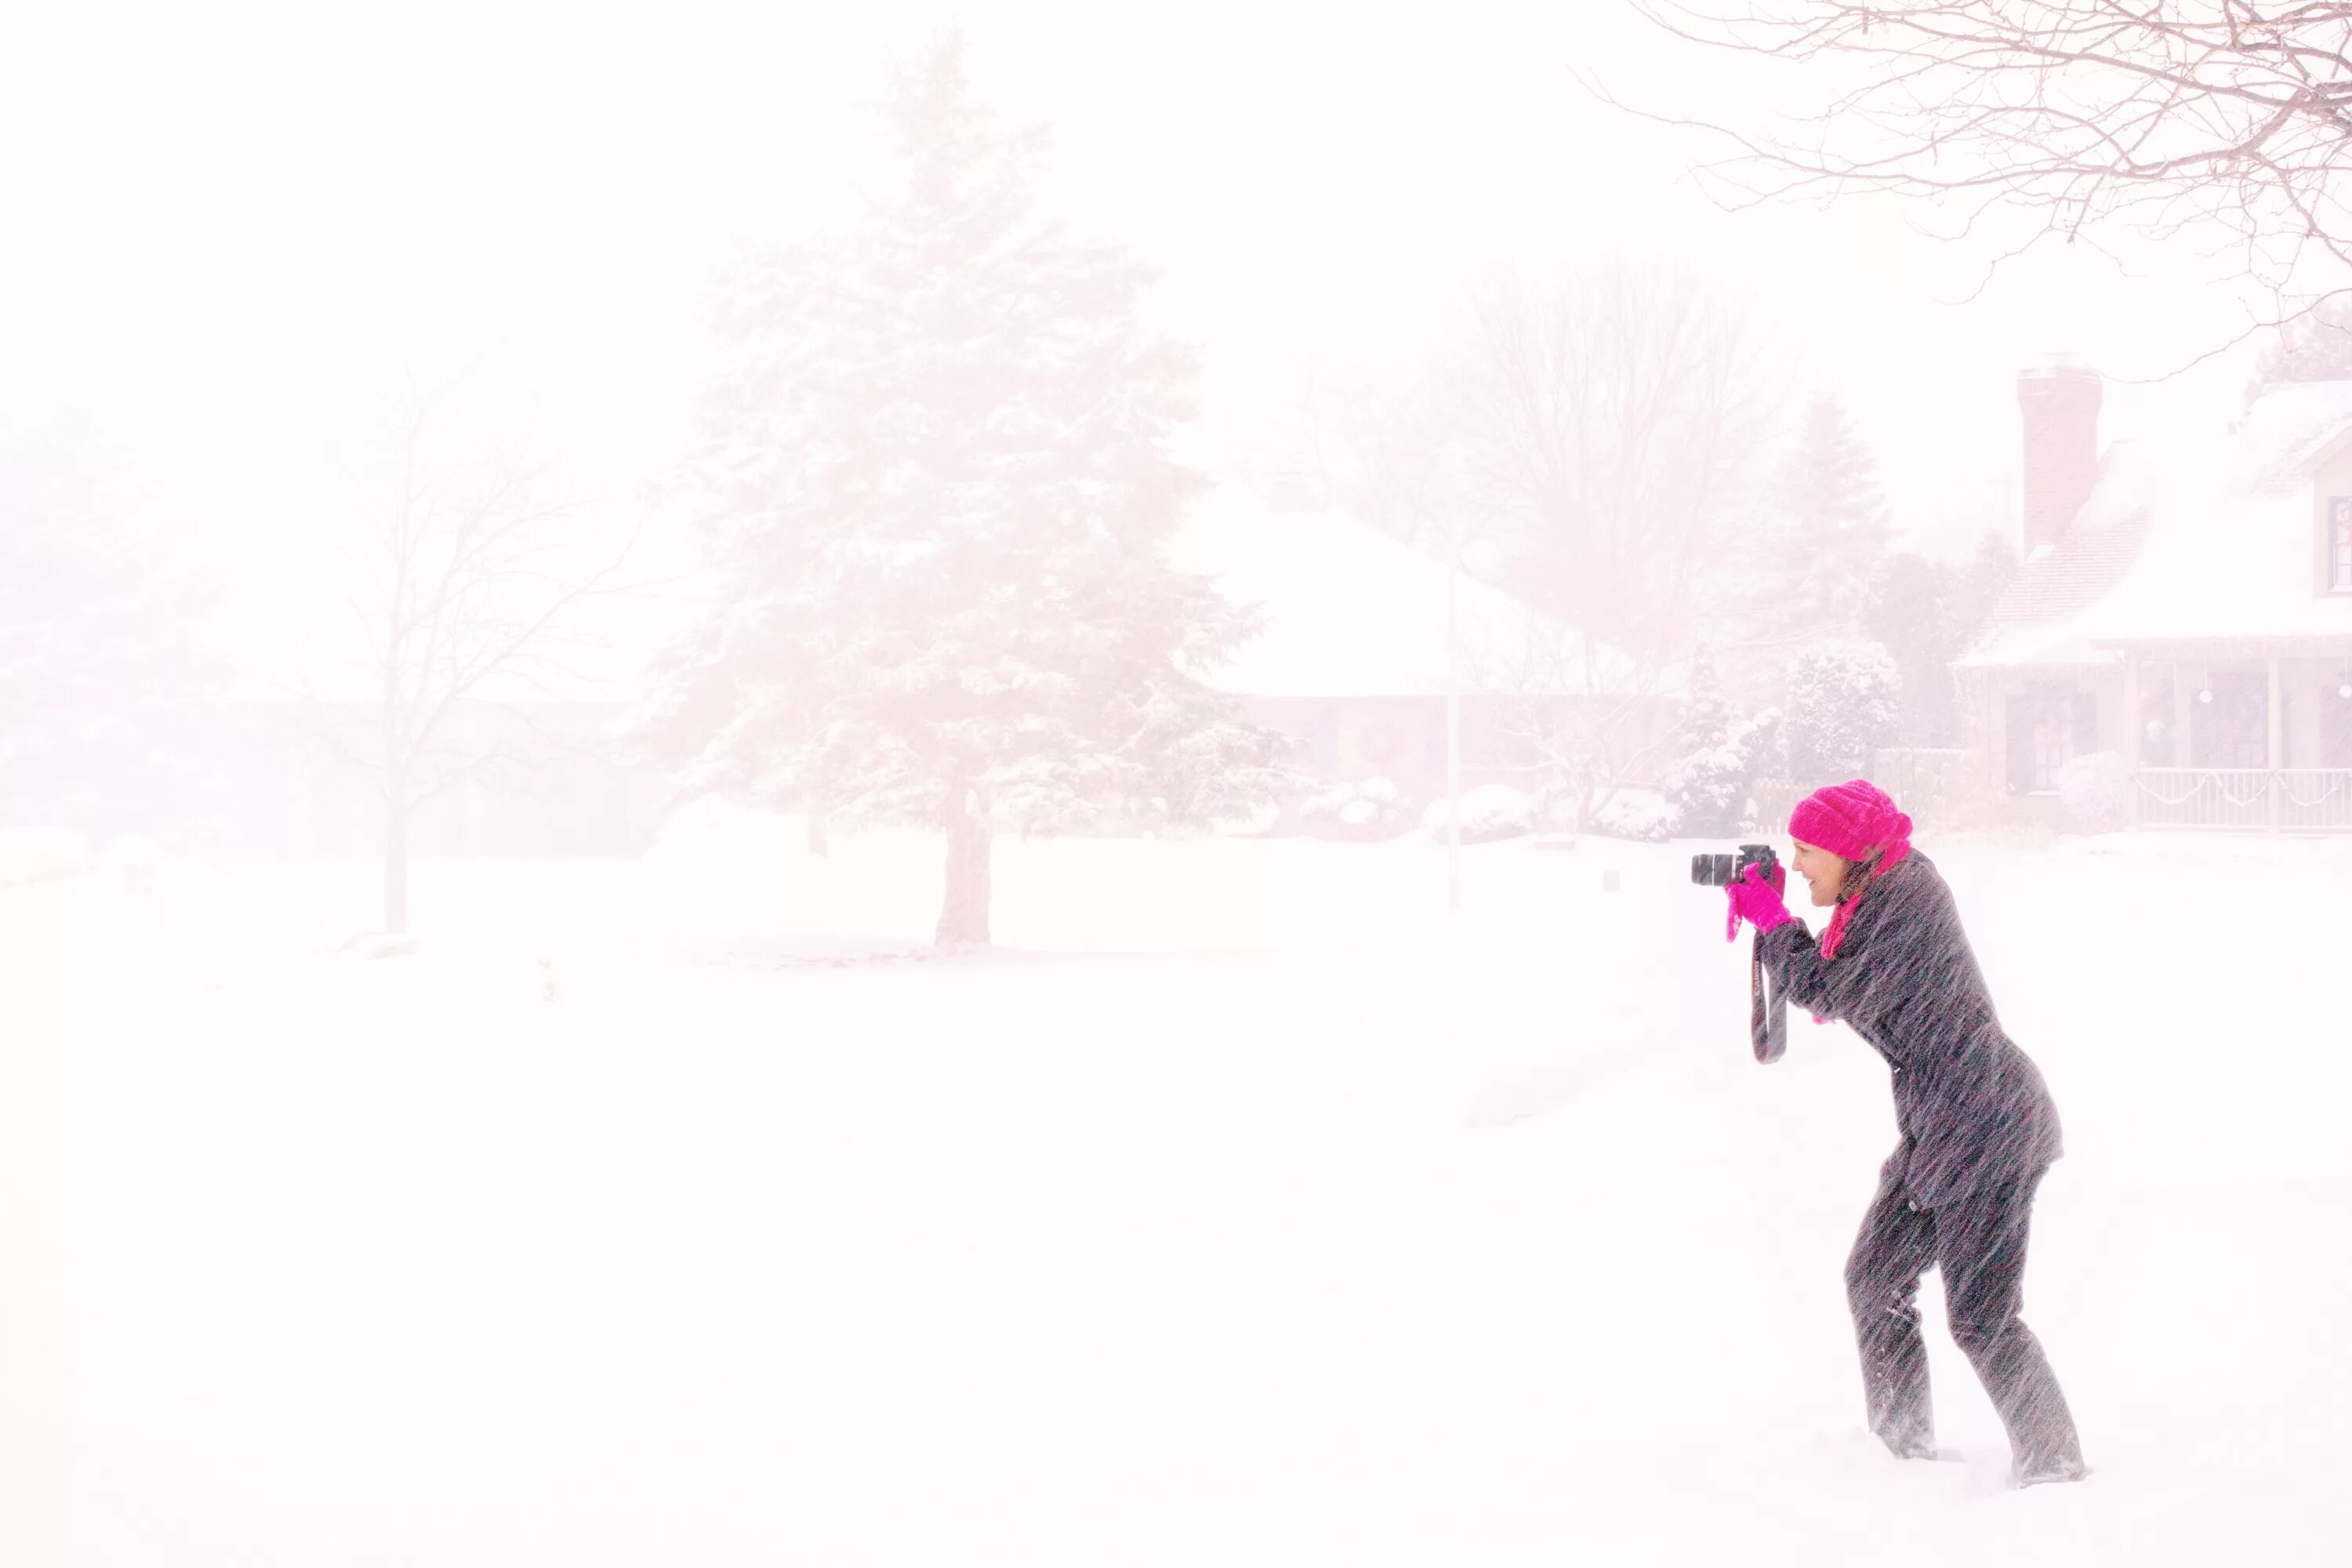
(2297, 799)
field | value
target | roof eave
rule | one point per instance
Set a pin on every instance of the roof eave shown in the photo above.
(2334, 447)
(2226, 644)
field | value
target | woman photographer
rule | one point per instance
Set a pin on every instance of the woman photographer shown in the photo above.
(1978, 1129)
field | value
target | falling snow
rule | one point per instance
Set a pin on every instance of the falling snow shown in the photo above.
(781, 788)
(1240, 1206)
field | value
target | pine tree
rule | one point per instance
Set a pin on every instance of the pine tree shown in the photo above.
(1925, 613)
(940, 467)
(105, 724)
(1707, 786)
(1915, 611)
(1832, 533)
(1843, 705)
(1988, 573)
(1708, 718)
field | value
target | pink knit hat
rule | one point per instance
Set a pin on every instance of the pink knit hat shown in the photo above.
(1854, 821)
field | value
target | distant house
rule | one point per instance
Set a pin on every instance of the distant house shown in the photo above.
(528, 778)
(1364, 637)
(2186, 605)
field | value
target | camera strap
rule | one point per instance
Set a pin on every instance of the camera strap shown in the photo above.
(1768, 1020)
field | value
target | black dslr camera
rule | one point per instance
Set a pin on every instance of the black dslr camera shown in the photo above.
(1722, 870)
(1768, 1016)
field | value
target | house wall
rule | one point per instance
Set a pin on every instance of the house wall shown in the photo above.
(1985, 708)
(2317, 718)
(2331, 479)
(556, 788)
(2329, 742)
(581, 805)
(1402, 739)
(2307, 697)
(2299, 712)
(2315, 722)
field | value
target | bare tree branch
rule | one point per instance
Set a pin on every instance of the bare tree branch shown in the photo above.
(1601, 429)
(477, 571)
(2170, 119)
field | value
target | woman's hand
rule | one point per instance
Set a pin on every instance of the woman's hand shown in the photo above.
(1757, 902)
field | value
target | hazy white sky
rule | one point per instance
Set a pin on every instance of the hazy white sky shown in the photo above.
(225, 223)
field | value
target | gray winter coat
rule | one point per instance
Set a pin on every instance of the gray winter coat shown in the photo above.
(1971, 1106)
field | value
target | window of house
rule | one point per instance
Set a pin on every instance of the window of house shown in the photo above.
(2339, 544)
(2053, 728)
(2047, 730)
(2231, 730)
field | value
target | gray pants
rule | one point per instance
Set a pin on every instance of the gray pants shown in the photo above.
(1979, 1242)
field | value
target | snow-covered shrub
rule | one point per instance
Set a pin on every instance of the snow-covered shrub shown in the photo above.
(1708, 788)
(1559, 810)
(1263, 819)
(2092, 788)
(1489, 812)
(36, 854)
(1638, 813)
(1368, 810)
(1842, 706)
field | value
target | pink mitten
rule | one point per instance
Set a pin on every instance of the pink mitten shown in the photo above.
(1757, 902)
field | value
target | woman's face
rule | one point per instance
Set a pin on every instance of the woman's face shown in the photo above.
(1822, 871)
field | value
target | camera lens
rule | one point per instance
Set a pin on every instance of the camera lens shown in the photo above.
(1712, 870)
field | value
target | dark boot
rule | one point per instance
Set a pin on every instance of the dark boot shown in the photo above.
(2056, 1471)
(1980, 1248)
(1893, 1249)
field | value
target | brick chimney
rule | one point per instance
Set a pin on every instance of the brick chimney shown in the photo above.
(2060, 399)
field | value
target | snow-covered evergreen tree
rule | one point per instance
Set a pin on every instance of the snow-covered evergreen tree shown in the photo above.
(1709, 785)
(1924, 613)
(105, 726)
(1915, 611)
(1709, 714)
(939, 458)
(1834, 530)
(1841, 706)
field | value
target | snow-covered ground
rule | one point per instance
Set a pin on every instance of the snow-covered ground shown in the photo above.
(1244, 1209)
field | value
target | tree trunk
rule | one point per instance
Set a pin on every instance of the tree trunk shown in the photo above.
(964, 917)
(816, 835)
(396, 867)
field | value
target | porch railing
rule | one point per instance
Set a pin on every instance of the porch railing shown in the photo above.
(2297, 799)
(2314, 798)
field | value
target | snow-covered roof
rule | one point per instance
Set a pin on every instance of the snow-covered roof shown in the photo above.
(2202, 539)
(1351, 612)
